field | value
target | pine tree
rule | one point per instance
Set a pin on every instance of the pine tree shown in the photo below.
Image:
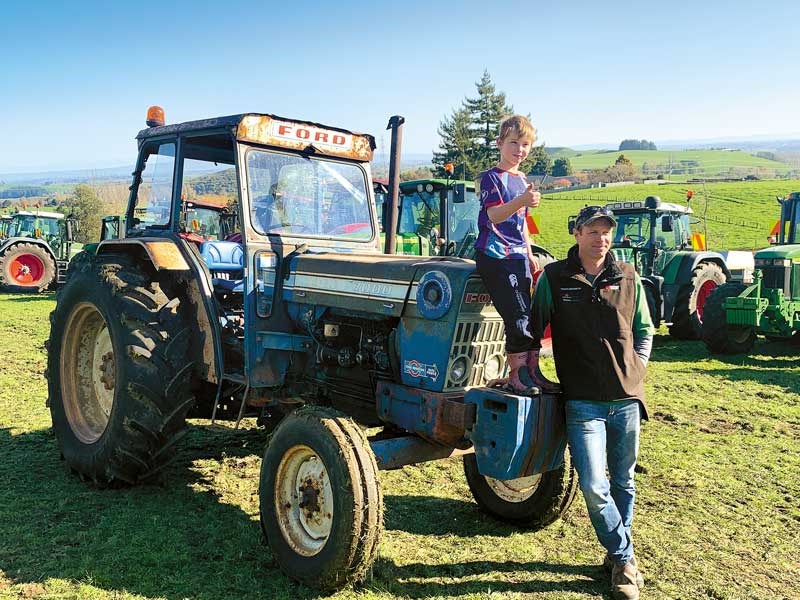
(457, 146)
(486, 112)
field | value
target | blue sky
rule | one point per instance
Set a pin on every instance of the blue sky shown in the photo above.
(76, 78)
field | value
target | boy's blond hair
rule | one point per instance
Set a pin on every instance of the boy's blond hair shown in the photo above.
(518, 126)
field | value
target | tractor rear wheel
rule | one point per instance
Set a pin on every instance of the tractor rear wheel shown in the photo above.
(321, 501)
(718, 336)
(26, 267)
(687, 317)
(118, 372)
(531, 502)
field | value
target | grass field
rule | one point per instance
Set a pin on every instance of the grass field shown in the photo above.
(708, 163)
(718, 507)
(739, 215)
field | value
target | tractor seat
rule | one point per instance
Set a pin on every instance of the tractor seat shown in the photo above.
(225, 260)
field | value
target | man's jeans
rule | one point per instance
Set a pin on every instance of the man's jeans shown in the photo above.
(600, 434)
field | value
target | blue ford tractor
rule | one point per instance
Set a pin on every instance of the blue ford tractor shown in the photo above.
(355, 360)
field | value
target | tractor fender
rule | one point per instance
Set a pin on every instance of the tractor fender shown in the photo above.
(681, 272)
(35, 241)
(167, 254)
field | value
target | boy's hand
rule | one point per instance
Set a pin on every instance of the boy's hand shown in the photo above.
(530, 197)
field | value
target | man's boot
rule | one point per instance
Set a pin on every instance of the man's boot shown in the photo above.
(536, 376)
(623, 582)
(608, 565)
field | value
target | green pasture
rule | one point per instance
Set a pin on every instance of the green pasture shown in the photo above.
(738, 215)
(708, 163)
(718, 511)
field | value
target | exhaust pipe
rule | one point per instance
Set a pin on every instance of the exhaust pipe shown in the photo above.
(396, 125)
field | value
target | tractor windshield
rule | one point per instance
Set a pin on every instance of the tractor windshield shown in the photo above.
(794, 227)
(296, 195)
(632, 229)
(420, 213)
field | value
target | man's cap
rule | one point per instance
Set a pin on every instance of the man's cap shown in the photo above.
(589, 214)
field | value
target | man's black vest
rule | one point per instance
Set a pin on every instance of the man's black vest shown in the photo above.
(592, 331)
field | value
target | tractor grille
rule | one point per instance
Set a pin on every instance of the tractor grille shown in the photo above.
(776, 277)
(476, 340)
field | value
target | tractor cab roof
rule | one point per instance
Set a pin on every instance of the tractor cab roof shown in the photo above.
(41, 215)
(272, 130)
(413, 185)
(658, 207)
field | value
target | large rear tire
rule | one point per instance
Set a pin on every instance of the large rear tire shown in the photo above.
(687, 317)
(718, 336)
(118, 372)
(531, 502)
(321, 501)
(26, 267)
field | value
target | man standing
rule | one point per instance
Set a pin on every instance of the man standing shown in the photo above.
(602, 337)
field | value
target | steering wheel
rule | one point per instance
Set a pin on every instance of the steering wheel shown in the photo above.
(634, 239)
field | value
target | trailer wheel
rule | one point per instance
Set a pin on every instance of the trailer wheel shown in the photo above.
(687, 318)
(531, 502)
(321, 501)
(118, 372)
(27, 268)
(718, 336)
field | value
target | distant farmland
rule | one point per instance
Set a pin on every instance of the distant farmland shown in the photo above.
(684, 163)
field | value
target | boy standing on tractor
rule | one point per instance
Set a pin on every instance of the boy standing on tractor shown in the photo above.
(503, 254)
(602, 337)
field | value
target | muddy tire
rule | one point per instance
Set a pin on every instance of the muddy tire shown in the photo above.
(321, 501)
(118, 372)
(26, 268)
(718, 336)
(687, 318)
(531, 502)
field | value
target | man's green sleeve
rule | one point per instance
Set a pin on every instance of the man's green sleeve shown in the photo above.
(642, 323)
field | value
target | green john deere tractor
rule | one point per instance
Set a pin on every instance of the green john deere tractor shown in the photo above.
(770, 306)
(35, 250)
(656, 238)
(438, 217)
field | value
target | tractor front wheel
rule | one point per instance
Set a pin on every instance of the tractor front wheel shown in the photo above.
(718, 336)
(689, 312)
(27, 267)
(531, 502)
(321, 502)
(118, 372)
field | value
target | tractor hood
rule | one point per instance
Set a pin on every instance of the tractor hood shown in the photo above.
(788, 251)
(382, 284)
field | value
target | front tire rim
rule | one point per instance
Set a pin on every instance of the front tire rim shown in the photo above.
(303, 500)
(739, 335)
(88, 372)
(702, 295)
(514, 490)
(26, 269)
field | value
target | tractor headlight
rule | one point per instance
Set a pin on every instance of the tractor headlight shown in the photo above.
(493, 367)
(459, 369)
(434, 295)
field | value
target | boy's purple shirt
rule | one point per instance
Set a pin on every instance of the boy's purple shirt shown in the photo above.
(505, 239)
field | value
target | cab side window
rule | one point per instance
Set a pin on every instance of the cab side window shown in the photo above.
(154, 194)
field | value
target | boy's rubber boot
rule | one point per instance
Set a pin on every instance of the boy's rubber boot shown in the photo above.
(536, 376)
(519, 379)
(623, 582)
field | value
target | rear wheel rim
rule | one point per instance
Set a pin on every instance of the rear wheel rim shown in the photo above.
(88, 373)
(304, 500)
(26, 269)
(514, 490)
(702, 295)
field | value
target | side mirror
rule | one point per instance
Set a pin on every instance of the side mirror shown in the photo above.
(571, 225)
(459, 193)
(667, 222)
